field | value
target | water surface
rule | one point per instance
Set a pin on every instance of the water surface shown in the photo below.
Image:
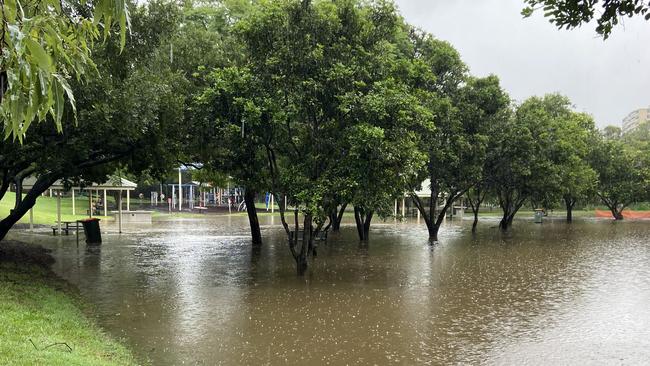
(193, 292)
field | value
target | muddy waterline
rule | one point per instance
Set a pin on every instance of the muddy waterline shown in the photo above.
(193, 292)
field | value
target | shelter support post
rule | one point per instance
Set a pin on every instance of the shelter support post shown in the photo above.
(58, 211)
(105, 205)
(73, 203)
(128, 200)
(180, 191)
(119, 215)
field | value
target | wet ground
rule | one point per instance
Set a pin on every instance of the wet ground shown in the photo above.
(192, 291)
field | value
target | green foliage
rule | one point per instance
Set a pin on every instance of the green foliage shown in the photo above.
(538, 155)
(573, 13)
(127, 119)
(229, 128)
(319, 66)
(623, 174)
(44, 43)
(612, 132)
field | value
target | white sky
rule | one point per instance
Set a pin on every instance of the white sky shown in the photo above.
(607, 79)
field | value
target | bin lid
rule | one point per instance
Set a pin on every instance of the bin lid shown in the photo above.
(91, 219)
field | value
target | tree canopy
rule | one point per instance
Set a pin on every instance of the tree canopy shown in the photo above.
(574, 13)
(43, 44)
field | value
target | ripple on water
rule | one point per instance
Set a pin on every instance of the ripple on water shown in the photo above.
(193, 291)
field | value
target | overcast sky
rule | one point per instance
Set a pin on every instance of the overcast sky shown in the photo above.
(607, 79)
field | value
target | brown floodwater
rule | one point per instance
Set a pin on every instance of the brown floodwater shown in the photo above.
(193, 292)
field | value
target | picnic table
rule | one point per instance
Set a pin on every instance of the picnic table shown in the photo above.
(201, 209)
(67, 227)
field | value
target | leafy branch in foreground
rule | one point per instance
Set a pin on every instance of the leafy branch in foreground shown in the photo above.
(43, 43)
(571, 14)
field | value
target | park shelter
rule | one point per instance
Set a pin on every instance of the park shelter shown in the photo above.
(113, 184)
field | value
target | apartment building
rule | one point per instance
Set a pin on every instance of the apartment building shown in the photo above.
(635, 118)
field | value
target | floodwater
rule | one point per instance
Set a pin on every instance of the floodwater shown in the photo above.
(193, 292)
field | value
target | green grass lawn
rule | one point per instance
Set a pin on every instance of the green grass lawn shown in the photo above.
(36, 305)
(45, 209)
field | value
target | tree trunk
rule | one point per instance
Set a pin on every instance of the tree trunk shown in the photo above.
(618, 214)
(307, 244)
(251, 210)
(336, 216)
(363, 220)
(476, 203)
(41, 185)
(433, 232)
(506, 220)
(569, 203)
(504, 223)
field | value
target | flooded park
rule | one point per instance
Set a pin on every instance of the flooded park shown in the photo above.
(192, 291)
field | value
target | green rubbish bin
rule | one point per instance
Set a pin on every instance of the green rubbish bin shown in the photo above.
(92, 232)
(539, 215)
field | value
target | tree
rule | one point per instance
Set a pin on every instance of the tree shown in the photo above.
(230, 127)
(381, 151)
(574, 13)
(524, 160)
(612, 132)
(223, 117)
(307, 57)
(577, 136)
(478, 193)
(126, 119)
(457, 148)
(622, 175)
(43, 43)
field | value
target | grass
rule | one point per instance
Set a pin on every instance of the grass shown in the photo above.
(38, 307)
(45, 209)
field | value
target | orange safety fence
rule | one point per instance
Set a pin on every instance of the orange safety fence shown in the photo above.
(627, 214)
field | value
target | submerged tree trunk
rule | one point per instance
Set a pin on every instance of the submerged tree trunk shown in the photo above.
(614, 206)
(251, 210)
(475, 203)
(510, 203)
(434, 217)
(506, 221)
(617, 213)
(363, 219)
(569, 202)
(336, 216)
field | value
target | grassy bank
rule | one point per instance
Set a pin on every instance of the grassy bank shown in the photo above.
(43, 319)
